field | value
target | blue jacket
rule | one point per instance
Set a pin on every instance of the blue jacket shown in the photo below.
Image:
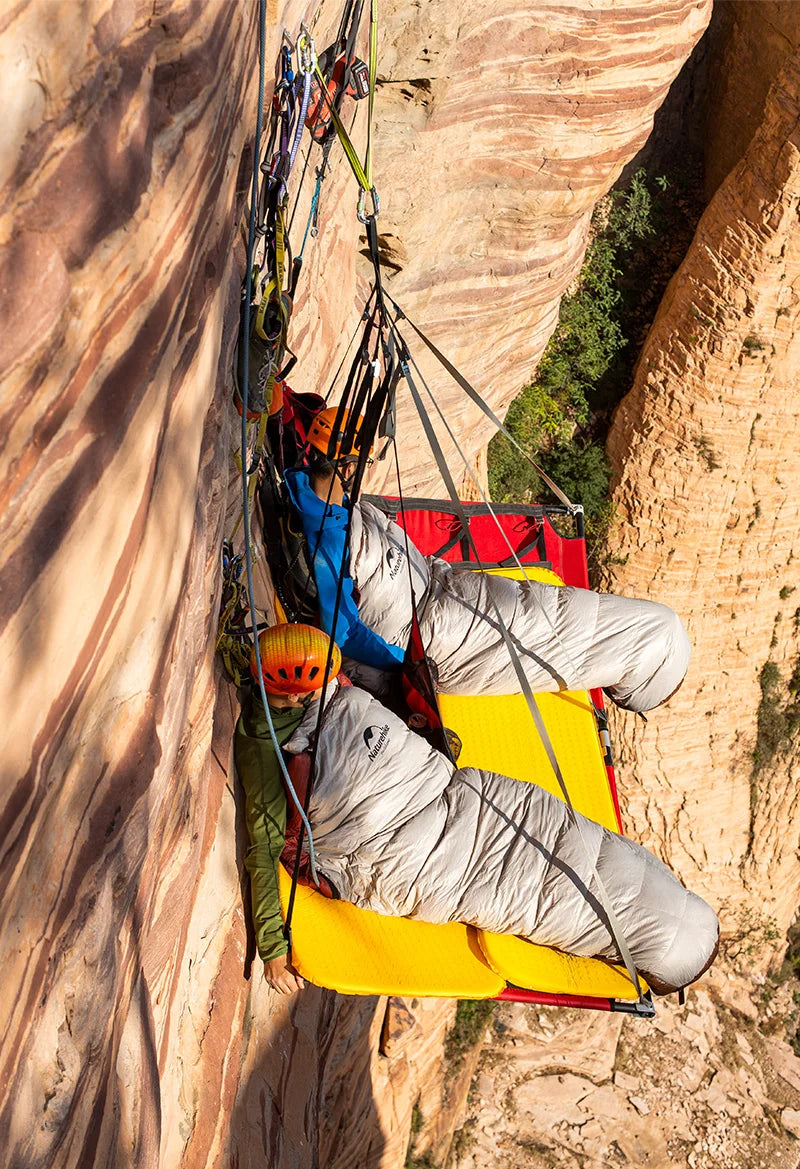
(326, 531)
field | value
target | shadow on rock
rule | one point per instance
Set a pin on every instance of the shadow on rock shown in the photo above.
(306, 1097)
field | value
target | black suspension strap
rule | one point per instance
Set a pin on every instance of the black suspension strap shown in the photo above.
(475, 397)
(612, 920)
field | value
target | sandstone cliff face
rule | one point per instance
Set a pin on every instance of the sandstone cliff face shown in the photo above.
(705, 450)
(697, 1086)
(706, 445)
(499, 127)
(117, 285)
(749, 45)
(130, 1035)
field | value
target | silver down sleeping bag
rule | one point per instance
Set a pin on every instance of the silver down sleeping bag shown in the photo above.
(567, 638)
(400, 831)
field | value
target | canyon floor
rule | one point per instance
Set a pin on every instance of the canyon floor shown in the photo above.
(712, 1084)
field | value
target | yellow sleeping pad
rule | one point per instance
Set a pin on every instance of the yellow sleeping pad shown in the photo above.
(354, 951)
(540, 968)
(498, 734)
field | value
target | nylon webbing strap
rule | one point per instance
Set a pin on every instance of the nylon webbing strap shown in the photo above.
(613, 922)
(369, 428)
(344, 137)
(475, 397)
(301, 118)
(373, 72)
(280, 248)
(514, 556)
(375, 256)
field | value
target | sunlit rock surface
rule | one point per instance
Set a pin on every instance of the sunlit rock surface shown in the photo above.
(705, 450)
(750, 42)
(697, 1086)
(129, 1033)
(501, 125)
(118, 283)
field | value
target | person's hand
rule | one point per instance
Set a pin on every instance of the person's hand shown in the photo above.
(282, 976)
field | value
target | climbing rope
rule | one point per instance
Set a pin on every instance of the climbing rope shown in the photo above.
(248, 543)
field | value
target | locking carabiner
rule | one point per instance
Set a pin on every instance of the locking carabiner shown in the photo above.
(376, 205)
(306, 52)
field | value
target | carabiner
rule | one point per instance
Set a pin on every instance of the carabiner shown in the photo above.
(306, 51)
(376, 205)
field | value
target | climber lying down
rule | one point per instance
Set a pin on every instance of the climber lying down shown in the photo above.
(566, 638)
(399, 830)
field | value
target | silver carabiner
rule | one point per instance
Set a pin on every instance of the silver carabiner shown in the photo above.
(376, 205)
(306, 51)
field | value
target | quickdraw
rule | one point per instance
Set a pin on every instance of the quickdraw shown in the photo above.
(272, 299)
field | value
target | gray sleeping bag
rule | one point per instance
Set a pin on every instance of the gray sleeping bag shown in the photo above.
(400, 831)
(567, 638)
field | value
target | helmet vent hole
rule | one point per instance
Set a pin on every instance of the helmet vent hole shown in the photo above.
(298, 671)
(312, 673)
(282, 673)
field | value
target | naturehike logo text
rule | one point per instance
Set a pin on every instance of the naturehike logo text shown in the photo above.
(374, 744)
(397, 557)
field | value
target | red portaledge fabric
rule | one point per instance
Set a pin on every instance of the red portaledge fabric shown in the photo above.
(515, 994)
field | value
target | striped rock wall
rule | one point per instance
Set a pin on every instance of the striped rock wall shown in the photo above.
(130, 1034)
(706, 448)
(120, 198)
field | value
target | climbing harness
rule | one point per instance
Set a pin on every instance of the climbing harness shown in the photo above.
(233, 634)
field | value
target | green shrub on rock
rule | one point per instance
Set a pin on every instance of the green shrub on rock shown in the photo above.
(561, 416)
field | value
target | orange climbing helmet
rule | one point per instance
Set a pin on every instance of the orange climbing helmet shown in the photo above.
(321, 433)
(293, 659)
